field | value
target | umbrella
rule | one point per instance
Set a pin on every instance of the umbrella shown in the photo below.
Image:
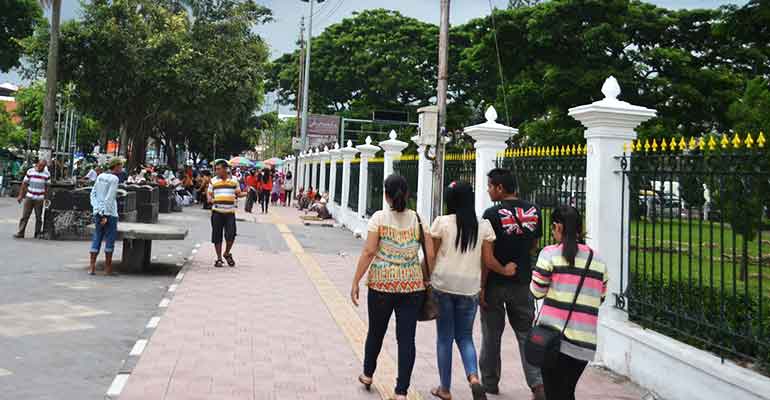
(241, 162)
(275, 161)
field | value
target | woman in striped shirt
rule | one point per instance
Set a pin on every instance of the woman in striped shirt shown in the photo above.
(556, 278)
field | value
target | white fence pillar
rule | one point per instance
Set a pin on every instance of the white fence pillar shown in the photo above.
(393, 148)
(610, 124)
(348, 153)
(317, 173)
(334, 156)
(306, 171)
(424, 180)
(323, 160)
(490, 138)
(368, 150)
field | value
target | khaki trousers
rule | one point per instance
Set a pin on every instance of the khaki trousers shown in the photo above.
(28, 206)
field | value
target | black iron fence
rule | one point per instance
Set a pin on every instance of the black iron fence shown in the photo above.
(549, 177)
(355, 169)
(327, 167)
(338, 182)
(406, 166)
(374, 180)
(699, 243)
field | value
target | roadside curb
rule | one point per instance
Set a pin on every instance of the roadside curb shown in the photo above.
(125, 370)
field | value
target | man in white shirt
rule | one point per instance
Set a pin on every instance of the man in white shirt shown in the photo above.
(33, 190)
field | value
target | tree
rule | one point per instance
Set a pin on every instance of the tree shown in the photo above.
(522, 3)
(18, 19)
(378, 59)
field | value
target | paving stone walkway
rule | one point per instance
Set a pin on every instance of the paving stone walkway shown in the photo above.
(280, 326)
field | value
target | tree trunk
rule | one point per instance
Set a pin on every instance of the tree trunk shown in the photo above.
(123, 151)
(49, 108)
(171, 159)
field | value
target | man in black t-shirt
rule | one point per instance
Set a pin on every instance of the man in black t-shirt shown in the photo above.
(517, 226)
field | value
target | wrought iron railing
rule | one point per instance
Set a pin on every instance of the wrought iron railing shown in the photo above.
(549, 177)
(699, 244)
(327, 175)
(355, 169)
(406, 166)
(338, 183)
(375, 186)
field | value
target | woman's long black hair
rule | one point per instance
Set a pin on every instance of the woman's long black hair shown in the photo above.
(460, 202)
(265, 175)
(569, 218)
(397, 191)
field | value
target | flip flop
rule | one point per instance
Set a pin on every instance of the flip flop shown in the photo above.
(219, 263)
(367, 382)
(437, 393)
(230, 261)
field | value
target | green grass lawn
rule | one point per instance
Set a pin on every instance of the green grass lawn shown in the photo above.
(705, 253)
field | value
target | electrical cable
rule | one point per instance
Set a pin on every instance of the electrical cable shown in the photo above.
(499, 64)
(332, 12)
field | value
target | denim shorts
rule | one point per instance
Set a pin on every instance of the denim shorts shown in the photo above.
(107, 233)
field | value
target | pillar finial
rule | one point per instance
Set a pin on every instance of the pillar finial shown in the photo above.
(611, 88)
(491, 114)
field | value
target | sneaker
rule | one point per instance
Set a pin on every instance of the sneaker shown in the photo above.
(538, 392)
(17, 236)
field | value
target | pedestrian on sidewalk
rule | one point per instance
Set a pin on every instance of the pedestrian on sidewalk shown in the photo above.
(461, 243)
(517, 226)
(222, 192)
(266, 189)
(104, 204)
(557, 277)
(288, 187)
(395, 281)
(252, 187)
(34, 189)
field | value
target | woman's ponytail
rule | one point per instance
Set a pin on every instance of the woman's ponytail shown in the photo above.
(397, 190)
(572, 224)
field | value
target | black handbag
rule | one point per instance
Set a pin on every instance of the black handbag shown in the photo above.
(543, 343)
(429, 310)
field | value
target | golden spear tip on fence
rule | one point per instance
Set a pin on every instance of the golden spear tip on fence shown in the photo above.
(646, 144)
(712, 143)
(638, 145)
(761, 139)
(702, 143)
(749, 142)
(736, 140)
(724, 142)
(693, 143)
(663, 145)
(682, 144)
(654, 145)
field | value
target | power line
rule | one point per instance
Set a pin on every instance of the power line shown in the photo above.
(332, 12)
(499, 63)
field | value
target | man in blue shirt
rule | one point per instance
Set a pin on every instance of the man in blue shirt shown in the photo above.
(104, 204)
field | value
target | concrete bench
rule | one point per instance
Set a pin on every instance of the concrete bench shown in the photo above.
(137, 242)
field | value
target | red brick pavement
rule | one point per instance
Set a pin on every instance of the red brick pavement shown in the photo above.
(257, 331)
(261, 331)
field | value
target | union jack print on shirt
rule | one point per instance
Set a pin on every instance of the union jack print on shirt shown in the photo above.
(527, 218)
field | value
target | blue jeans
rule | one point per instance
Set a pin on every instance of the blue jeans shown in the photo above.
(106, 232)
(455, 324)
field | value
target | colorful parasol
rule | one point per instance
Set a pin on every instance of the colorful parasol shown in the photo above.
(241, 162)
(275, 161)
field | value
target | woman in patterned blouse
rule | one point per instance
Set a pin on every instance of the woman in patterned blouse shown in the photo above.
(395, 280)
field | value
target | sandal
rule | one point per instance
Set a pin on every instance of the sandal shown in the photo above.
(478, 391)
(219, 263)
(436, 392)
(230, 261)
(366, 381)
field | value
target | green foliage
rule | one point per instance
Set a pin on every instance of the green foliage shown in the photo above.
(702, 316)
(18, 19)
(749, 114)
(376, 60)
(30, 105)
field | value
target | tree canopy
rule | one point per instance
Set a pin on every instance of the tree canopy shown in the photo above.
(18, 19)
(690, 65)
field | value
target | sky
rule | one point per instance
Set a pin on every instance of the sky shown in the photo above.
(283, 33)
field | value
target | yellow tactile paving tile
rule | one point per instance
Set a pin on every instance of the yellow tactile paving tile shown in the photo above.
(345, 316)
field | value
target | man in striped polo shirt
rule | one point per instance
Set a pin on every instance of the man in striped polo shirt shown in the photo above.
(33, 190)
(222, 192)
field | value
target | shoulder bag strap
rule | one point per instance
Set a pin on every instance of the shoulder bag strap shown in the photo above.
(421, 235)
(579, 287)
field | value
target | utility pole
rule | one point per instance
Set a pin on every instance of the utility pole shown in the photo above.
(301, 69)
(306, 80)
(441, 98)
